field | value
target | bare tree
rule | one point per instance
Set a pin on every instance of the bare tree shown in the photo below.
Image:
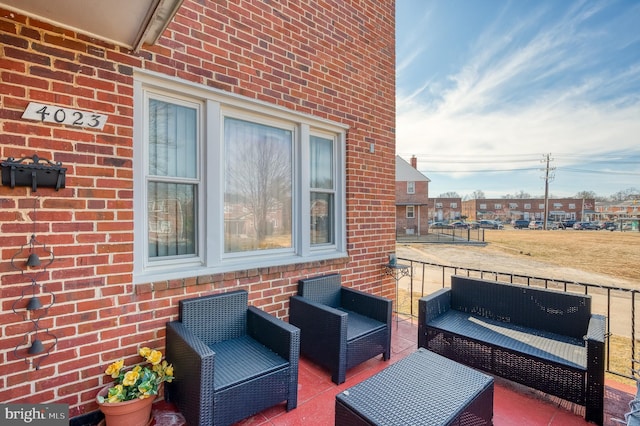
(450, 194)
(260, 176)
(627, 194)
(478, 194)
(586, 194)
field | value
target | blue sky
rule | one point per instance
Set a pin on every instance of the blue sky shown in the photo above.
(487, 88)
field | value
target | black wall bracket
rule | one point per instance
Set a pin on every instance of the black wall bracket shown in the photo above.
(41, 172)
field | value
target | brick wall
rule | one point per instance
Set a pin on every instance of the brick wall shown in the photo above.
(335, 62)
(419, 224)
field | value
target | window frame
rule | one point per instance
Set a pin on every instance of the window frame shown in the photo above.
(215, 106)
(411, 215)
(411, 187)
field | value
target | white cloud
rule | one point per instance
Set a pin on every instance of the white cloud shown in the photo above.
(489, 111)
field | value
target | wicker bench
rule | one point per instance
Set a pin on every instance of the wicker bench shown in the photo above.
(421, 389)
(544, 339)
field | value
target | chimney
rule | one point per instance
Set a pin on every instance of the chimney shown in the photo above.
(414, 162)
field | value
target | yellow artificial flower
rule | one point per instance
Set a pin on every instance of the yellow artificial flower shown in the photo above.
(154, 357)
(114, 369)
(139, 381)
(130, 378)
(169, 371)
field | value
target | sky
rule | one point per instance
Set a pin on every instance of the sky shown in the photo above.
(487, 90)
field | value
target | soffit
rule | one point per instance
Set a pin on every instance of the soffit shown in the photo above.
(128, 23)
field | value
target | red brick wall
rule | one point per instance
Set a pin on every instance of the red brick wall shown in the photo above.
(420, 198)
(335, 61)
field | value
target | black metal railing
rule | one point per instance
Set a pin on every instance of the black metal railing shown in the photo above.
(618, 304)
(443, 235)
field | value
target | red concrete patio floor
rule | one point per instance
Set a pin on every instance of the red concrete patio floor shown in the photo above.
(513, 404)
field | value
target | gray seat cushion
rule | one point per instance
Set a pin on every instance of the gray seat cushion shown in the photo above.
(241, 359)
(544, 345)
(359, 325)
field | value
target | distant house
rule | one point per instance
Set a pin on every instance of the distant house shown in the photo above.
(626, 213)
(510, 209)
(412, 198)
(629, 209)
(445, 209)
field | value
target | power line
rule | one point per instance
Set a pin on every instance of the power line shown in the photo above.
(603, 172)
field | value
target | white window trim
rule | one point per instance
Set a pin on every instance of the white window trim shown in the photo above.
(413, 212)
(411, 187)
(212, 258)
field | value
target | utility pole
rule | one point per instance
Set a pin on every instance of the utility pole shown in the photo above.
(547, 177)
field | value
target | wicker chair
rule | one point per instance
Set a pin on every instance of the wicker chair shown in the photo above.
(341, 327)
(231, 360)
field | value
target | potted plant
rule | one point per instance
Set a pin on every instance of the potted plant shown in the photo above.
(127, 401)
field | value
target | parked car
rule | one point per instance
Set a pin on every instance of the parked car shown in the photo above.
(490, 224)
(609, 226)
(460, 225)
(521, 224)
(441, 225)
(567, 224)
(536, 224)
(585, 226)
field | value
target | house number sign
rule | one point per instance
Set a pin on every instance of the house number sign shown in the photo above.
(71, 117)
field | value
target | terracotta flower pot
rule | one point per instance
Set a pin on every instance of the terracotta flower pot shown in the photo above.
(136, 412)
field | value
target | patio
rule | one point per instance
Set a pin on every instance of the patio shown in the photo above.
(513, 404)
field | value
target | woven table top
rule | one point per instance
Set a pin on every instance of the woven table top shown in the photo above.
(424, 388)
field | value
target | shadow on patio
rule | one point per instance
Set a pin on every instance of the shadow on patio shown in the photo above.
(513, 404)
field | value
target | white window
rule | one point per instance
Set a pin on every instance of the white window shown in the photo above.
(572, 206)
(411, 187)
(541, 206)
(557, 205)
(497, 206)
(453, 205)
(411, 212)
(438, 205)
(224, 183)
(513, 205)
(483, 206)
(527, 206)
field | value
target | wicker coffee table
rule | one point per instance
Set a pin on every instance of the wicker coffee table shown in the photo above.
(423, 389)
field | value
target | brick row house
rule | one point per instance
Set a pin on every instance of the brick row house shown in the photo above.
(445, 209)
(412, 199)
(507, 210)
(200, 146)
(629, 209)
(625, 213)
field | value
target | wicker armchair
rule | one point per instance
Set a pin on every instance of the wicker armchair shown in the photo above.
(231, 360)
(341, 327)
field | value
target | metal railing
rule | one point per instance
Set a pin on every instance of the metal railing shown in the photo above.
(618, 304)
(444, 235)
